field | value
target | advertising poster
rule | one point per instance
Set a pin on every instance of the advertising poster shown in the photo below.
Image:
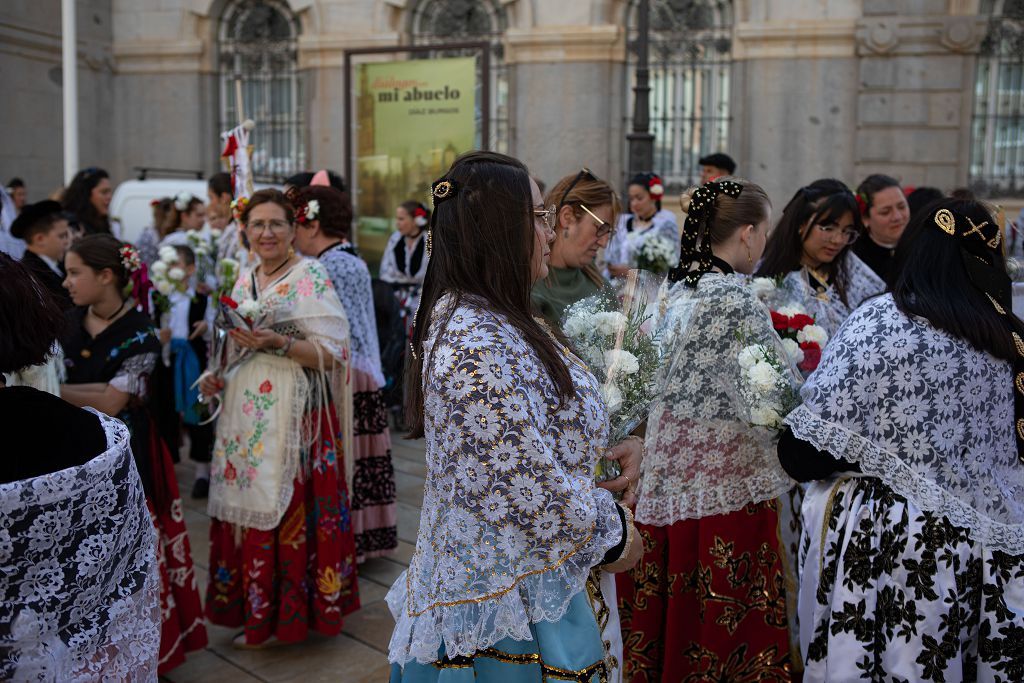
(413, 118)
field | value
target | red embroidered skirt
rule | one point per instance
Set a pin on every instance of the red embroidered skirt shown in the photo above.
(707, 602)
(182, 629)
(300, 576)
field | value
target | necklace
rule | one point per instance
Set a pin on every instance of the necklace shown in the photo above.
(114, 315)
(821, 288)
(283, 264)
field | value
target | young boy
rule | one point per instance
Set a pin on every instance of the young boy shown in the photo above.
(45, 231)
(189, 324)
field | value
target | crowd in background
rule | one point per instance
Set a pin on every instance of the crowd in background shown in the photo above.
(250, 336)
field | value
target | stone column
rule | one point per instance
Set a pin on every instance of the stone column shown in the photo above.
(794, 96)
(567, 99)
(915, 91)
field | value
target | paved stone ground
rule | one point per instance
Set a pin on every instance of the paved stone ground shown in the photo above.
(360, 652)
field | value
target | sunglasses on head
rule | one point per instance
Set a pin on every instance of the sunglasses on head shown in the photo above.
(603, 227)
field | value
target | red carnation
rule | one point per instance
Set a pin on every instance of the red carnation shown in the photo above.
(812, 356)
(800, 321)
(862, 203)
(420, 212)
(266, 387)
(229, 302)
(779, 321)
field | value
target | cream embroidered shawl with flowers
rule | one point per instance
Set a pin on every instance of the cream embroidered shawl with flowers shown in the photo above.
(266, 422)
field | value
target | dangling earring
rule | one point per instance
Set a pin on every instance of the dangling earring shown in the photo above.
(291, 252)
(750, 258)
(565, 233)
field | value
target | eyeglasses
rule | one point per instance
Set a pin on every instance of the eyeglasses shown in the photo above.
(584, 173)
(547, 215)
(603, 227)
(259, 227)
(832, 229)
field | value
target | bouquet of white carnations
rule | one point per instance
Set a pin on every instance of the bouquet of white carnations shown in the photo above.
(656, 255)
(227, 275)
(765, 386)
(612, 332)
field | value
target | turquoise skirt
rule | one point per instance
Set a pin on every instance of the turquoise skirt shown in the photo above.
(568, 650)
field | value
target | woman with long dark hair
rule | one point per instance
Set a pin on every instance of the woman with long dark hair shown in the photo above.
(912, 430)
(111, 350)
(324, 223)
(79, 599)
(87, 198)
(512, 522)
(810, 249)
(708, 600)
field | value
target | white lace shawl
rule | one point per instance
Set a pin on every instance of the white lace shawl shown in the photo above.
(926, 413)
(512, 523)
(703, 455)
(79, 581)
(830, 312)
(351, 279)
(624, 245)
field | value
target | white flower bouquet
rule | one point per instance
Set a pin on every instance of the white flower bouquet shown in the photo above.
(612, 332)
(765, 386)
(656, 255)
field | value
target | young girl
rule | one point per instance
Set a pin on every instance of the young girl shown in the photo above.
(708, 599)
(647, 220)
(111, 349)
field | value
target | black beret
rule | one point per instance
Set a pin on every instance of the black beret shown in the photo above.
(719, 160)
(32, 215)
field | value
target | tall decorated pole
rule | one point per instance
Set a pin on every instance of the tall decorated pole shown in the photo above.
(641, 140)
(237, 152)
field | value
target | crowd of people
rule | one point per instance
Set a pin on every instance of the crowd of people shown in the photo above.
(873, 529)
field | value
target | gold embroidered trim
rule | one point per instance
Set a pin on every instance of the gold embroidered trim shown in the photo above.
(1020, 382)
(975, 228)
(999, 309)
(1019, 343)
(1020, 428)
(547, 671)
(490, 596)
(944, 219)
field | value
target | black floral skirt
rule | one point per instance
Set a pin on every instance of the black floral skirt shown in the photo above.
(891, 593)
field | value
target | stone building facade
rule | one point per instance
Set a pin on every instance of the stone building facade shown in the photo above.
(927, 90)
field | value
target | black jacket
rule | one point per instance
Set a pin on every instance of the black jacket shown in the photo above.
(54, 283)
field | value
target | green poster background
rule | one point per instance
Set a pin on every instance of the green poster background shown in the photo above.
(413, 118)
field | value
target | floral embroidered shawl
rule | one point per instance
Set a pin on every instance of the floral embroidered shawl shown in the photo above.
(264, 426)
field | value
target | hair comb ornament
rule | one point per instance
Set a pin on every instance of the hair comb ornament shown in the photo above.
(693, 249)
(443, 189)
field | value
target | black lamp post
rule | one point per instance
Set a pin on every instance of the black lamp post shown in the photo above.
(641, 140)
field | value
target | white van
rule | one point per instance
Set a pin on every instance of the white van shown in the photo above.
(130, 205)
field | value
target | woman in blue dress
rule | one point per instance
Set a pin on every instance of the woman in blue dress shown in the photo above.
(502, 583)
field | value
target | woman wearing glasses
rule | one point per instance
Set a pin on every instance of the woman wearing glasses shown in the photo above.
(645, 221)
(581, 211)
(810, 247)
(282, 552)
(501, 585)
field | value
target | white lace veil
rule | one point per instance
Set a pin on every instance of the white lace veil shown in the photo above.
(926, 413)
(79, 582)
(703, 455)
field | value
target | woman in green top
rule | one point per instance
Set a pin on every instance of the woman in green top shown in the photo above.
(586, 209)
